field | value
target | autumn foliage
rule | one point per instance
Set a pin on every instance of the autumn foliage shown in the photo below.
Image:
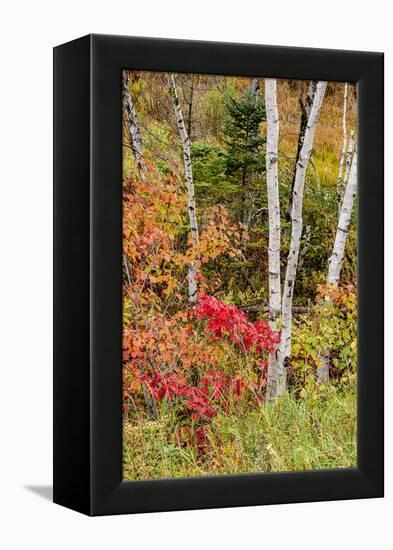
(190, 357)
(199, 331)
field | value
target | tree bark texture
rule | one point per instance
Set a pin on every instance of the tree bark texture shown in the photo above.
(348, 160)
(296, 233)
(344, 145)
(305, 247)
(305, 107)
(274, 222)
(336, 259)
(134, 129)
(192, 273)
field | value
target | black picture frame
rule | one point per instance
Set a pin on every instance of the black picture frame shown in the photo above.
(88, 275)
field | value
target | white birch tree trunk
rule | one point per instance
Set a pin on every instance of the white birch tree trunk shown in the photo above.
(284, 349)
(348, 159)
(192, 273)
(336, 259)
(134, 129)
(305, 108)
(344, 145)
(190, 103)
(274, 223)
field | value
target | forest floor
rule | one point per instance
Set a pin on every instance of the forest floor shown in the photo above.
(315, 432)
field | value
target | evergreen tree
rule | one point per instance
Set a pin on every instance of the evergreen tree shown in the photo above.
(212, 184)
(245, 159)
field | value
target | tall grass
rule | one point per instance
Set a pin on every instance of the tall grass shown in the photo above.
(292, 434)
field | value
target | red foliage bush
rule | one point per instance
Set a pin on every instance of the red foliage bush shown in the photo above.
(225, 320)
(165, 355)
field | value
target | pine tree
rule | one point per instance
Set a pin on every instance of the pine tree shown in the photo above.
(245, 159)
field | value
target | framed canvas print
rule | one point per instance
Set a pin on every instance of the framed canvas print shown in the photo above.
(218, 275)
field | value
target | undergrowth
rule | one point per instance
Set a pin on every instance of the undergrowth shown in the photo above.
(315, 431)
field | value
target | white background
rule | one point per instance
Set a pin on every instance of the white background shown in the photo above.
(28, 31)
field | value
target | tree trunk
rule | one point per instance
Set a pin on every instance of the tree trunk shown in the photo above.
(348, 159)
(254, 87)
(134, 129)
(192, 273)
(336, 259)
(190, 106)
(274, 223)
(344, 145)
(284, 350)
(305, 247)
(305, 108)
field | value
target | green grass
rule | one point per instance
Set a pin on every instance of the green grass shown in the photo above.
(292, 434)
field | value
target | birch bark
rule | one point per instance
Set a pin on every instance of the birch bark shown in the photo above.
(192, 273)
(190, 106)
(284, 349)
(336, 259)
(134, 129)
(274, 223)
(305, 107)
(344, 145)
(348, 159)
